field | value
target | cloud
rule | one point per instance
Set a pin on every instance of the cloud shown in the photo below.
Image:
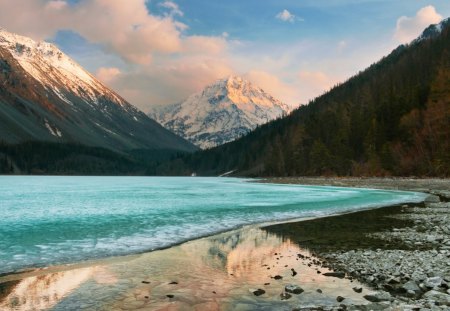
(409, 28)
(286, 16)
(128, 30)
(315, 83)
(153, 61)
(107, 75)
(170, 81)
(270, 83)
(173, 7)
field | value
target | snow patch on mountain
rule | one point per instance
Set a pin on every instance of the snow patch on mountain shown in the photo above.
(222, 112)
(47, 64)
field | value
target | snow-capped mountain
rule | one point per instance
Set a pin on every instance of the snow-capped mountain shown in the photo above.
(46, 96)
(220, 113)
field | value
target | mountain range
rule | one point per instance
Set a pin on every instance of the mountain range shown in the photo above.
(46, 96)
(221, 112)
(391, 119)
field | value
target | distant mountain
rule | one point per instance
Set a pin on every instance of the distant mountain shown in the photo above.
(222, 112)
(46, 96)
(390, 119)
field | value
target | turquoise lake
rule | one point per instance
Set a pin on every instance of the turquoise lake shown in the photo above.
(54, 220)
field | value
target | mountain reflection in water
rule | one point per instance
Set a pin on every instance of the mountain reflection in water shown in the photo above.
(217, 272)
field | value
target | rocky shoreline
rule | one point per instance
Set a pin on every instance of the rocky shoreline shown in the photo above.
(413, 276)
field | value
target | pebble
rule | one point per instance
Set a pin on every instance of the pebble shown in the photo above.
(285, 296)
(340, 299)
(259, 292)
(294, 289)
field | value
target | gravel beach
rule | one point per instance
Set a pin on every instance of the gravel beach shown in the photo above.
(406, 259)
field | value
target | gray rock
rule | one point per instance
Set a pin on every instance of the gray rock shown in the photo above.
(357, 289)
(340, 299)
(378, 297)
(411, 293)
(433, 282)
(441, 298)
(294, 289)
(411, 286)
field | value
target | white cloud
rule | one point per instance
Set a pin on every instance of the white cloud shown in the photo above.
(107, 74)
(155, 62)
(173, 7)
(408, 28)
(128, 30)
(286, 16)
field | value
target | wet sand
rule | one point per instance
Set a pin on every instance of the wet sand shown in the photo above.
(220, 272)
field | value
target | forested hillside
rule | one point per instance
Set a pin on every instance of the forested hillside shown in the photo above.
(49, 158)
(391, 119)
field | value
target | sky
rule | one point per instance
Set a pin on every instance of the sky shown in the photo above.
(158, 52)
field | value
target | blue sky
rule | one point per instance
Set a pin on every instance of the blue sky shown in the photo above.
(159, 51)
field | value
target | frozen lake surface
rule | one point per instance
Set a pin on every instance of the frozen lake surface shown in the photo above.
(53, 220)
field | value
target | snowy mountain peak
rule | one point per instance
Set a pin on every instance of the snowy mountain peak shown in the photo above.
(47, 96)
(46, 63)
(221, 112)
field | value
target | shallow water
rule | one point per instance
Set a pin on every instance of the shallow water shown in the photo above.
(54, 220)
(214, 273)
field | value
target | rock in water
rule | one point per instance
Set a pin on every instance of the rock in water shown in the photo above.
(285, 296)
(294, 289)
(340, 275)
(259, 292)
(277, 277)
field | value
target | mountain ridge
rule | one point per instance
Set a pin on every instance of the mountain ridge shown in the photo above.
(46, 96)
(223, 111)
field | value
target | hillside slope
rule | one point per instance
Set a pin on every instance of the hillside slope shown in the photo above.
(391, 119)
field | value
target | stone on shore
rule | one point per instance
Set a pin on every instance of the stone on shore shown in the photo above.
(433, 282)
(411, 286)
(439, 297)
(378, 297)
(339, 274)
